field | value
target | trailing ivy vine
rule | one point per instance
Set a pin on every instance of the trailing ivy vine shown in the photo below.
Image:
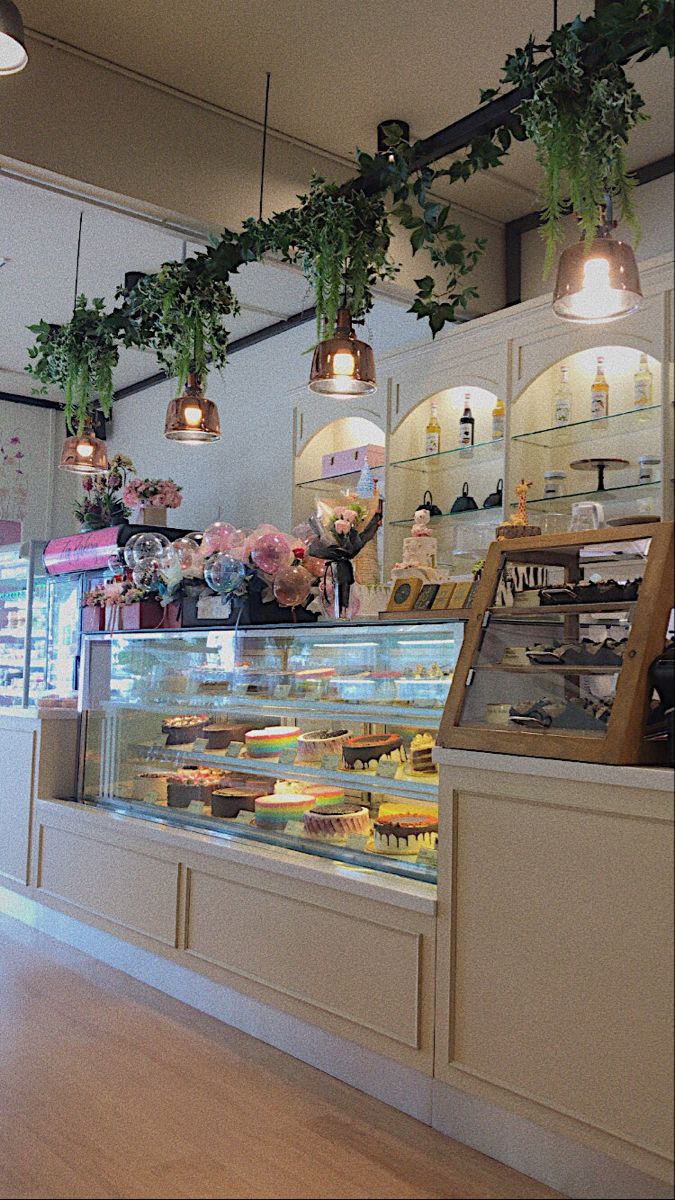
(578, 109)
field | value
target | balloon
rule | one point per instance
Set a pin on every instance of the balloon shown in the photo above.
(292, 586)
(189, 555)
(143, 577)
(271, 553)
(146, 547)
(216, 537)
(129, 556)
(315, 566)
(303, 533)
(167, 557)
(224, 574)
(240, 544)
(116, 562)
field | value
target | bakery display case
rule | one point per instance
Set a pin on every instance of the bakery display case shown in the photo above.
(315, 739)
(39, 629)
(563, 632)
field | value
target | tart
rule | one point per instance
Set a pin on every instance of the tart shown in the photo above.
(317, 742)
(336, 822)
(359, 752)
(401, 834)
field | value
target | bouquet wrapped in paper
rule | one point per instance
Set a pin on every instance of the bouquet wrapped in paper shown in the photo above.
(342, 530)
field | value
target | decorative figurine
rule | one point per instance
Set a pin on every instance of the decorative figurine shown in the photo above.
(420, 525)
(519, 524)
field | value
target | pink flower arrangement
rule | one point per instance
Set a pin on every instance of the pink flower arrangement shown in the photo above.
(114, 593)
(153, 493)
(343, 517)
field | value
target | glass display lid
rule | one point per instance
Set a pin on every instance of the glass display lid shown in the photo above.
(317, 739)
(558, 651)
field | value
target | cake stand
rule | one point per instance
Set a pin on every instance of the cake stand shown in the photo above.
(600, 465)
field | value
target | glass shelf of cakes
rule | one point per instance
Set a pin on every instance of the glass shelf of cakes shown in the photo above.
(317, 738)
(557, 660)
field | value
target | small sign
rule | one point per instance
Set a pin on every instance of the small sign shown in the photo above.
(234, 749)
(197, 807)
(387, 770)
(288, 755)
(216, 608)
(428, 858)
(331, 762)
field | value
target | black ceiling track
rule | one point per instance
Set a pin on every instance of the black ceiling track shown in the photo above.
(32, 401)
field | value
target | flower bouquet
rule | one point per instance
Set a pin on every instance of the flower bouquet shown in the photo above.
(342, 530)
(153, 497)
(103, 502)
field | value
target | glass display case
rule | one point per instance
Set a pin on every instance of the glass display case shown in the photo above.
(39, 629)
(557, 659)
(317, 739)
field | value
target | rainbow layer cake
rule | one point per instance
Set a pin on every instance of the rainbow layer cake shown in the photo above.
(273, 812)
(269, 742)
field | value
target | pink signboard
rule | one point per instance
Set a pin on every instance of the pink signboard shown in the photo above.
(81, 551)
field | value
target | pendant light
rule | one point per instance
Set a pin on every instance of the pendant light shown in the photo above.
(343, 366)
(597, 281)
(84, 453)
(13, 56)
(191, 417)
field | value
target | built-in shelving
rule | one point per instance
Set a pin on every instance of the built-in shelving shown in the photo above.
(609, 495)
(309, 709)
(431, 464)
(629, 421)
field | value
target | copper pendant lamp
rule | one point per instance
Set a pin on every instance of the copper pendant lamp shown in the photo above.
(343, 366)
(13, 56)
(597, 281)
(84, 453)
(191, 417)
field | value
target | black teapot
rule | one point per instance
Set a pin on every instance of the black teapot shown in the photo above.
(496, 498)
(464, 502)
(429, 506)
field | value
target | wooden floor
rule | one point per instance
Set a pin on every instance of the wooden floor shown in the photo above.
(108, 1088)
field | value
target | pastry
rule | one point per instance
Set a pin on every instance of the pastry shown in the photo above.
(317, 742)
(400, 834)
(288, 787)
(336, 822)
(273, 812)
(359, 752)
(218, 737)
(269, 742)
(192, 783)
(421, 749)
(182, 730)
(150, 786)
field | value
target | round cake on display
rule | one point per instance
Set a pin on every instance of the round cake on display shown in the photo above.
(420, 551)
(150, 786)
(192, 783)
(273, 812)
(399, 834)
(317, 742)
(360, 752)
(269, 742)
(182, 730)
(336, 822)
(219, 735)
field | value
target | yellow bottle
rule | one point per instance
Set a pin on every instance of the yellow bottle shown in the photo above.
(498, 420)
(432, 444)
(643, 384)
(600, 392)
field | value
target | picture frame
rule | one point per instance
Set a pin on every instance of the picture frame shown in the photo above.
(425, 597)
(461, 593)
(443, 597)
(403, 594)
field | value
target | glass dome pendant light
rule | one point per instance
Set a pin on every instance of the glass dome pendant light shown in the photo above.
(343, 366)
(13, 56)
(84, 453)
(597, 281)
(191, 417)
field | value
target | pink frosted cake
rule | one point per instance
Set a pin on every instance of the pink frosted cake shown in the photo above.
(335, 822)
(273, 812)
(267, 743)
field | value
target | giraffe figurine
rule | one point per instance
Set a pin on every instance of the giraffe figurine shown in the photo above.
(519, 524)
(521, 517)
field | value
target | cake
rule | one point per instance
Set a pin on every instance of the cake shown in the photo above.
(184, 729)
(360, 752)
(273, 812)
(288, 787)
(406, 808)
(269, 742)
(317, 742)
(420, 552)
(150, 786)
(403, 834)
(336, 822)
(219, 736)
(325, 794)
(192, 783)
(421, 750)
(237, 794)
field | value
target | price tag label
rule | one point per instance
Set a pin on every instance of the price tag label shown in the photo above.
(330, 762)
(428, 858)
(214, 607)
(234, 749)
(196, 806)
(288, 755)
(387, 770)
(357, 841)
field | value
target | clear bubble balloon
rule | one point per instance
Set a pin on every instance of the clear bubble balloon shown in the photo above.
(167, 556)
(315, 566)
(189, 555)
(216, 537)
(129, 555)
(271, 553)
(224, 574)
(292, 586)
(116, 562)
(144, 577)
(303, 533)
(146, 547)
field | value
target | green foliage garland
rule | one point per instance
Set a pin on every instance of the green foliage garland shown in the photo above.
(79, 358)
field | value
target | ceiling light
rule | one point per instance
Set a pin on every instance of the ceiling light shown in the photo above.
(597, 281)
(343, 366)
(191, 417)
(13, 55)
(84, 453)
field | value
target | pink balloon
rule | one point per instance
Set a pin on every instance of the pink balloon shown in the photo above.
(216, 538)
(271, 553)
(240, 544)
(303, 533)
(292, 586)
(315, 566)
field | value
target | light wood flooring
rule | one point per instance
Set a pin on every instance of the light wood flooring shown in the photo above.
(110, 1089)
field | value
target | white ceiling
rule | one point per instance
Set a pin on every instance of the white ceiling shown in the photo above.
(340, 68)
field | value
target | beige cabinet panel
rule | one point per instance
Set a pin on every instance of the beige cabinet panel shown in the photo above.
(126, 887)
(563, 961)
(17, 757)
(351, 967)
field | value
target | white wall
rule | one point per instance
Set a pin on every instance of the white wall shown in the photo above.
(654, 205)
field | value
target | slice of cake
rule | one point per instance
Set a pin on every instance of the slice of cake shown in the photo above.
(421, 750)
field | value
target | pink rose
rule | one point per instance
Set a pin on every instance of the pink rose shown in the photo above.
(342, 525)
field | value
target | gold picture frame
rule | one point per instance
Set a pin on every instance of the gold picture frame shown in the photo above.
(403, 594)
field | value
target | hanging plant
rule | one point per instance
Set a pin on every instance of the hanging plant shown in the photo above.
(78, 358)
(341, 241)
(179, 313)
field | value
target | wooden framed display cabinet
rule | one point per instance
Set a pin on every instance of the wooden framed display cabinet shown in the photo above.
(564, 675)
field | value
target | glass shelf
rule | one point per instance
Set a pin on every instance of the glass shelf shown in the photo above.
(431, 464)
(491, 515)
(629, 421)
(390, 714)
(338, 483)
(610, 495)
